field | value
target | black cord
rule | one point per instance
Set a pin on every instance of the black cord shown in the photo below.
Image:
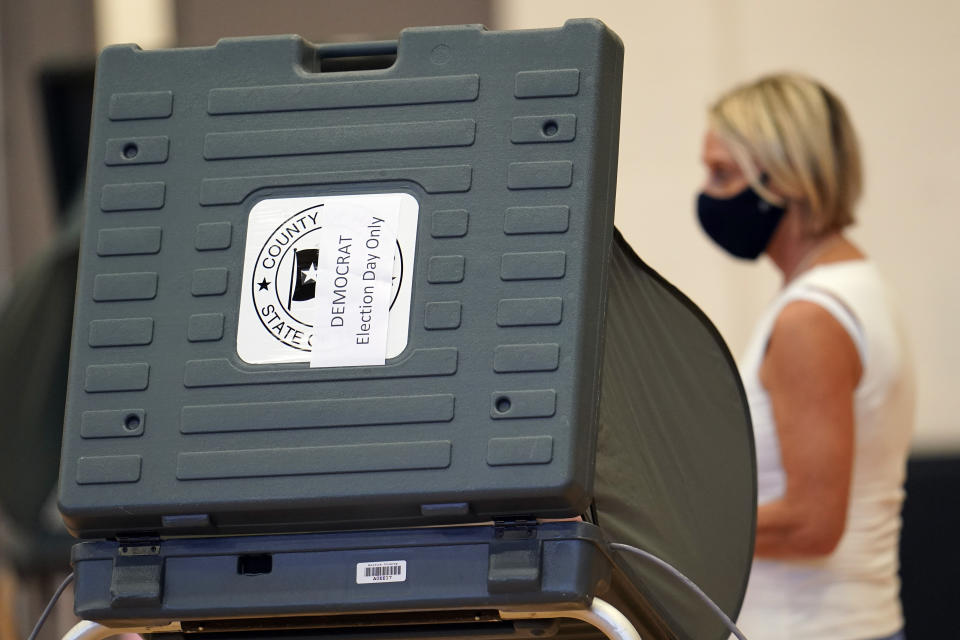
(687, 582)
(53, 601)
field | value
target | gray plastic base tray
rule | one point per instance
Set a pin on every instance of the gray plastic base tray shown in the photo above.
(427, 578)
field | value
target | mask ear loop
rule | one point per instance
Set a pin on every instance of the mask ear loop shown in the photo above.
(757, 178)
(763, 179)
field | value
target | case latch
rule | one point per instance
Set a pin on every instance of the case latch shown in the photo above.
(514, 556)
(137, 577)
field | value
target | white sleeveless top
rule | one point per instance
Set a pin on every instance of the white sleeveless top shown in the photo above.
(853, 593)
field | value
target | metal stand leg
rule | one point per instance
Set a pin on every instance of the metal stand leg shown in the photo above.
(601, 614)
(86, 630)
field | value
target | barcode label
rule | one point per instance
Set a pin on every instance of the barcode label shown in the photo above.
(386, 571)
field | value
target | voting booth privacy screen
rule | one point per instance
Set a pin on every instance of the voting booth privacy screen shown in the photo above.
(377, 285)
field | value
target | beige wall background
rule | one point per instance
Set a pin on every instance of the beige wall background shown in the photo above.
(897, 67)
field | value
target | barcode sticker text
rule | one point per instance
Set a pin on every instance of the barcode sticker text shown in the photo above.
(384, 571)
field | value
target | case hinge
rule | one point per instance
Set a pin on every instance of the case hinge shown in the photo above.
(515, 527)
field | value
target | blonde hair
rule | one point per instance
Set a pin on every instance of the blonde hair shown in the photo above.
(795, 133)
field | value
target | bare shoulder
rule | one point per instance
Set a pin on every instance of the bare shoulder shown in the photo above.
(808, 341)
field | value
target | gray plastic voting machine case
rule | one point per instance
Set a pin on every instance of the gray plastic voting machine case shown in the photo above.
(534, 366)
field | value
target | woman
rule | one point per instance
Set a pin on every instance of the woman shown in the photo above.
(826, 374)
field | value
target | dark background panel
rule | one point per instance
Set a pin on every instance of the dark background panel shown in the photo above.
(930, 547)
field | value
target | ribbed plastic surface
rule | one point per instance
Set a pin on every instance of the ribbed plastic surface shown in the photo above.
(507, 141)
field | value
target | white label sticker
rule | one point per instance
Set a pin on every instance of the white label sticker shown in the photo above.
(352, 279)
(386, 571)
(290, 287)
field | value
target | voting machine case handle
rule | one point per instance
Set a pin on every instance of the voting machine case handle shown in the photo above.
(348, 56)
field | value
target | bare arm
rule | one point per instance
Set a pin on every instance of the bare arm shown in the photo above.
(810, 370)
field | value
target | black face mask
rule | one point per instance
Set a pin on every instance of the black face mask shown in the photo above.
(743, 224)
